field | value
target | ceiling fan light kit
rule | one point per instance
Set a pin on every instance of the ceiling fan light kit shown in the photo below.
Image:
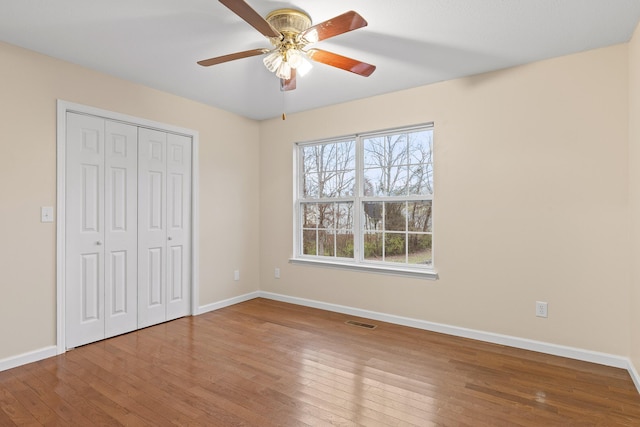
(290, 31)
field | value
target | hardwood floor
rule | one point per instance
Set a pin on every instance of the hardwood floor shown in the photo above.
(266, 363)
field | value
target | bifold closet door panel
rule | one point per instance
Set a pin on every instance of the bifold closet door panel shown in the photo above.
(101, 229)
(121, 228)
(84, 223)
(152, 226)
(178, 226)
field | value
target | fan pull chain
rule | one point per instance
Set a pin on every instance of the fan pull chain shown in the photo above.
(284, 115)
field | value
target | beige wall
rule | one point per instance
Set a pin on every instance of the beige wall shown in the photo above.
(531, 202)
(634, 191)
(29, 86)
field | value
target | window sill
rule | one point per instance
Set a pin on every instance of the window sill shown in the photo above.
(369, 268)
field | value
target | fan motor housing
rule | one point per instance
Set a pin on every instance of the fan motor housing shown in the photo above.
(289, 21)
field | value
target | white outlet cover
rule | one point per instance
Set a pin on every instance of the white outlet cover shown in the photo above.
(541, 309)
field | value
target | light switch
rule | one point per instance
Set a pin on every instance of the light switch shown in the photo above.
(46, 214)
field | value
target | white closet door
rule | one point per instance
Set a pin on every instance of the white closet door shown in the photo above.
(152, 230)
(121, 228)
(128, 228)
(84, 257)
(178, 225)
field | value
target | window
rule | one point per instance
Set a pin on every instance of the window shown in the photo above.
(367, 200)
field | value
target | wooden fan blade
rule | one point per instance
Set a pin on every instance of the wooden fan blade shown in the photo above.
(289, 84)
(340, 24)
(244, 11)
(231, 57)
(339, 61)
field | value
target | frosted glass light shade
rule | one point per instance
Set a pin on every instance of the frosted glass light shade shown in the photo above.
(273, 60)
(294, 57)
(282, 62)
(284, 71)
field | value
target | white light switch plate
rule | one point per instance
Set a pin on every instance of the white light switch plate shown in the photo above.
(46, 214)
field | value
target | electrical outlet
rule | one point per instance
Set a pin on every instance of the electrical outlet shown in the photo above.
(277, 273)
(541, 309)
(236, 275)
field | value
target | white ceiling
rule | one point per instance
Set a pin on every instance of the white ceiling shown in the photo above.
(412, 42)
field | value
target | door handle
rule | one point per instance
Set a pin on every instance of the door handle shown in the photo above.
(169, 238)
(99, 242)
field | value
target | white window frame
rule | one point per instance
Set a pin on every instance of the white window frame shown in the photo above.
(358, 262)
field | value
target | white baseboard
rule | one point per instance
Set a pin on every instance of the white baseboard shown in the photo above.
(634, 375)
(523, 343)
(226, 303)
(32, 356)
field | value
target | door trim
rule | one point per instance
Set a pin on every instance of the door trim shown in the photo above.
(61, 145)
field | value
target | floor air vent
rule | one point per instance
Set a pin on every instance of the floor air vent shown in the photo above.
(360, 324)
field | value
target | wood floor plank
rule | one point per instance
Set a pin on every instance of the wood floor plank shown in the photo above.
(15, 410)
(30, 399)
(268, 363)
(39, 380)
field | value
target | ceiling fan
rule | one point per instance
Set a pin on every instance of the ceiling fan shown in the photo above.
(290, 31)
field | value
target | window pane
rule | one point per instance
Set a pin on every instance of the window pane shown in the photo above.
(421, 179)
(344, 216)
(309, 242)
(394, 216)
(395, 181)
(328, 186)
(373, 182)
(344, 244)
(310, 159)
(420, 249)
(346, 155)
(397, 153)
(345, 183)
(374, 152)
(394, 248)
(309, 213)
(373, 246)
(328, 156)
(421, 147)
(325, 243)
(325, 215)
(419, 215)
(310, 186)
(372, 215)
(311, 171)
